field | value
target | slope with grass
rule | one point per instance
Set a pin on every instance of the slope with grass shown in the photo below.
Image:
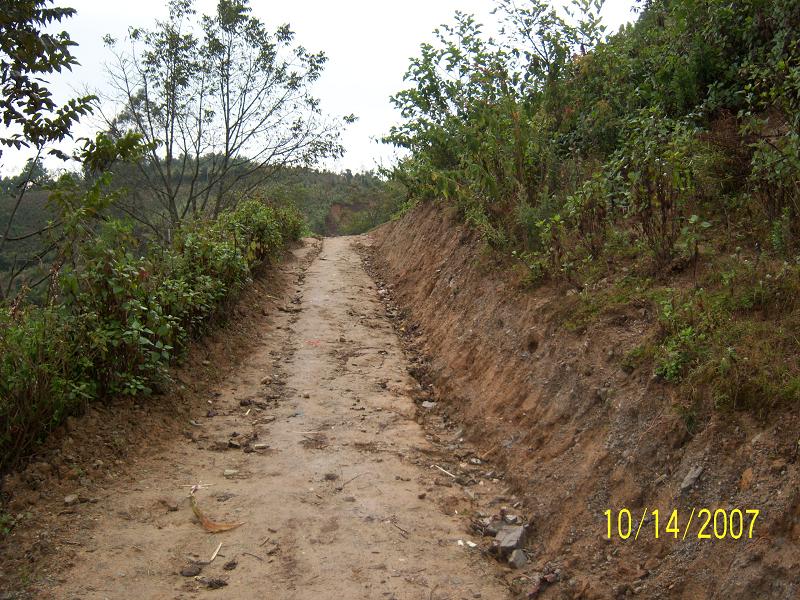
(658, 165)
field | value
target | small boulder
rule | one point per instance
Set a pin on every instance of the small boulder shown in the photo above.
(518, 559)
(191, 570)
(213, 583)
(509, 538)
(691, 478)
(492, 528)
(71, 500)
(230, 565)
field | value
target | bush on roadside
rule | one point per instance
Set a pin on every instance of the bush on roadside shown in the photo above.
(118, 318)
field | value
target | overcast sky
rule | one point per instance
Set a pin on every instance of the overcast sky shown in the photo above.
(368, 43)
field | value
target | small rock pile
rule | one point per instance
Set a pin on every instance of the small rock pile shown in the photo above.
(509, 532)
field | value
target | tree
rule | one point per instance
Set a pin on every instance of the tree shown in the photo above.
(28, 110)
(33, 174)
(31, 117)
(543, 40)
(223, 102)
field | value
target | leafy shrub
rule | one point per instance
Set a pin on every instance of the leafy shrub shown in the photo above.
(677, 354)
(656, 162)
(120, 318)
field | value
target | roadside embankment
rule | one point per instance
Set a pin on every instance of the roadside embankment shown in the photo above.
(579, 431)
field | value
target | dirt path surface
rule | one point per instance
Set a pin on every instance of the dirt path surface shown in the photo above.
(312, 443)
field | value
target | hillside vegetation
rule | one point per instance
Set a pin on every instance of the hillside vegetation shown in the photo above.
(658, 166)
(120, 314)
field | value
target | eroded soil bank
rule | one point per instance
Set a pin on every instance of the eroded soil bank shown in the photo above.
(309, 440)
(578, 433)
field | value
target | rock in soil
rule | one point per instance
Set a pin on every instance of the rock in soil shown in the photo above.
(213, 583)
(493, 528)
(691, 478)
(509, 539)
(230, 565)
(191, 570)
(518, 559)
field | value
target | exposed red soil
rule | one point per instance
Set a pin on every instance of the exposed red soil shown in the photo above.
(577, 434)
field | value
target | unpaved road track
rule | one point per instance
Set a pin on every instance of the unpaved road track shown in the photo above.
(341, 503)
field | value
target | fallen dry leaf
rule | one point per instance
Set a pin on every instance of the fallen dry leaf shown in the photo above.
(209, 525)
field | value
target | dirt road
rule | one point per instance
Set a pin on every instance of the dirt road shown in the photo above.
(340, 503)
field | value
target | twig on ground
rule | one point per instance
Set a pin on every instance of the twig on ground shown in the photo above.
(210, 560)
(341, 487)
(445, 472)
(488, 452)
(207, 524)
(254, 556)
(213, 556)
(403, 532)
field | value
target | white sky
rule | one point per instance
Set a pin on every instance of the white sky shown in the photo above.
(368, 43)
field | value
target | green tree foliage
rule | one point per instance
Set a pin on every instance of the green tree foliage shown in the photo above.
(31, 118)
(33, 174)
(27, 53)
(512, 129)
(118, 306)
